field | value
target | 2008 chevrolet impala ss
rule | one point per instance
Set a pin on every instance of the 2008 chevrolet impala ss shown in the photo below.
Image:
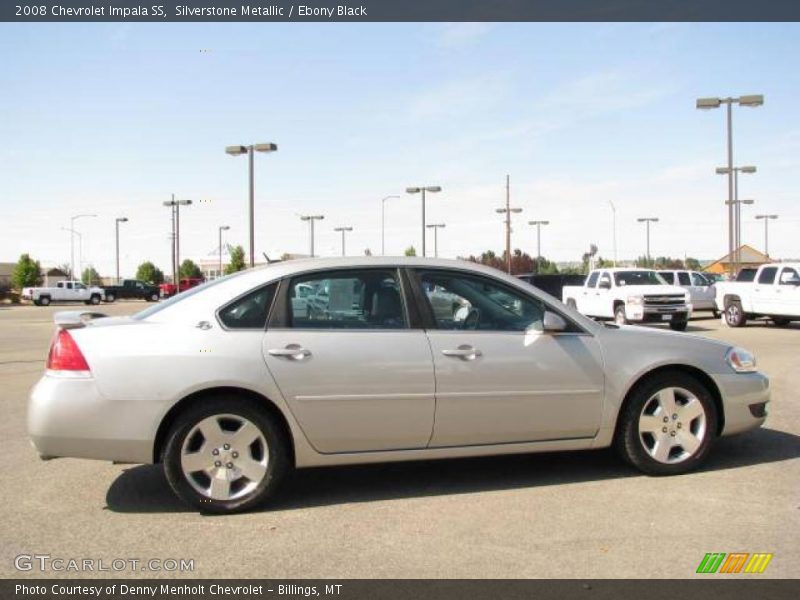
(338, 361)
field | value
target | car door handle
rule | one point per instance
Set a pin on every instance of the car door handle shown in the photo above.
(464, 352)
(292, 351)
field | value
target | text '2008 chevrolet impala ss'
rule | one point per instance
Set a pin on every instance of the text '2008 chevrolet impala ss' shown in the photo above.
(340, 361)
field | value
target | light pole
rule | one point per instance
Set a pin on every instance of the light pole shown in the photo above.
(766, 230)
(507, 211)
(221, 229)
(311, 219)
(614, 228)
(422, 190)
(72, 233)
(538, 240)
(436, 227)
(72, 242)
(118, 221)
(343, 230)
(737, 217)
(175, 205)
(648, 220)
(752, 100)
(250, 151)
(383, 223)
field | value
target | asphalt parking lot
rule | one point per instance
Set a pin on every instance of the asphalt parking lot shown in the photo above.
(550, 515)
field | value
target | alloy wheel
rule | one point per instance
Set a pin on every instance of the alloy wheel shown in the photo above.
(672, 425)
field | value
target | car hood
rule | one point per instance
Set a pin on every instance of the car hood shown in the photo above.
(651, 289)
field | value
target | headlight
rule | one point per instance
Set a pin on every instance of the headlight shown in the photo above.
(635, 300)
(740, 360)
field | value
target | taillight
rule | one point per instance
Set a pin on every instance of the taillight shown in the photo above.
(65, 355)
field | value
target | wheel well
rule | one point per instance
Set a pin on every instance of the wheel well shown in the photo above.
(730, 298)
(254, 397)
(618, 303)
(701, 376)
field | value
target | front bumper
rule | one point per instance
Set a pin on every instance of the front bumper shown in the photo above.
(745, 398)
(68, 417)
(647, 314)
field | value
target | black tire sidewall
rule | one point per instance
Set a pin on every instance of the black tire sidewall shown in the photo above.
(277, 465)
(678, 325)
(740, 320)
(628, 443)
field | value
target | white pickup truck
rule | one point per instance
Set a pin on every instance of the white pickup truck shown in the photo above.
(774, 293)
(630, 296)
(64, 291)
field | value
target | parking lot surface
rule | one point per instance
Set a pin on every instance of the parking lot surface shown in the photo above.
(579, 514)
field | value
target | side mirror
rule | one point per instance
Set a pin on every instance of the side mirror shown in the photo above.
(553, 323)
(604, 285)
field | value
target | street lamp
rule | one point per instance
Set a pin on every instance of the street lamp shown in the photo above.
(614, 228)
(72, 242)
(343, 230)
(538, 239)
(175, 205)
(250, 151)
(118, 221)
(311, 219)
(436, 227)
(507, 211)
(80, 248)
(383, 223)
(221, 229)
(648, 220)
(766, 230)
(752, 100)
(737, 213)
(422, 190)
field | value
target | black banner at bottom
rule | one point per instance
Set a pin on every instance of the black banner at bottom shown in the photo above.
(732, 588)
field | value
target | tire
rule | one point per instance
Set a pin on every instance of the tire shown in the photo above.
(37, 303)
(153, 297)
(44, 301)
(195, 487)
(110, 297)
(571, 303)
(660, 452)
(715, 314)
(734, 315)
(781, 321)
(95, 299)
(619, 315)
(678, 325)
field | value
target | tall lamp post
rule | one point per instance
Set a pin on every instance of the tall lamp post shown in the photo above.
(766, 219)
(507, 211)
(72, 233)
(614, 228)
(538, 240)
(737, 212)
(343, 231)
(175, 205)
(422, 190)
(383, 223)
(752, 100)
(72, 241)
(221, 229)
(648, 220)
(436, 227)
(118, 221)
(311, 219)
(250, 151)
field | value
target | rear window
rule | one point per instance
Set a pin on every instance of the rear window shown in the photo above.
(767, 275)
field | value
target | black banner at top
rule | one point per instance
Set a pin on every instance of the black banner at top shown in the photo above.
(397, 10)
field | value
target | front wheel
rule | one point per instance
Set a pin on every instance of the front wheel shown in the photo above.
(734, 315)
(95, 299)
(619, 315)
(678, 325)
(154, 297)
(667, 425)
(226, 455)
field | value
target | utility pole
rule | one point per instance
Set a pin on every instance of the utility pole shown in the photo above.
(422, 190)
(436, 227)
(343, 230)
(508, 210)
(118, 221)
(221, 229)
(538, 240)
(766, 219)
(176, 238)
(647, 221)
(311, 219)
(383, 223)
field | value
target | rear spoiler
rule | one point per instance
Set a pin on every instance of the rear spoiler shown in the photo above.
(73, 319)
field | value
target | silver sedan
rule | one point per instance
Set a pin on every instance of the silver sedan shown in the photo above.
(234, 383)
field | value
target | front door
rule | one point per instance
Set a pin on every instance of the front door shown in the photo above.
(356, 377)
(499, 377)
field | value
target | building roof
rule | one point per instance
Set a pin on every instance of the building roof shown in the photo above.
(6, 269)
(747, 256)
(54, 272)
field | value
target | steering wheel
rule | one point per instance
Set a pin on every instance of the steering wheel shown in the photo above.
(472, 319)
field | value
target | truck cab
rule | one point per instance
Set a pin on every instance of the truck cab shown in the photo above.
(701, 289)
(774, 293)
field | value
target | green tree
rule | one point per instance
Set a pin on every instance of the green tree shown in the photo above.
(90, 276)
(693, 264)
(237, 261)
(147, 271)
(411, 251)
(27, 273)
(189, 270)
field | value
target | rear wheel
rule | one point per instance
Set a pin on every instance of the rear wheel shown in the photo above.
(781, 321)
(619, 315)
(154, 297)
(110, 297)
(734, 315)
(667, 425)
(225, 455)
(678, 325)
(44, 301)
(95, 299)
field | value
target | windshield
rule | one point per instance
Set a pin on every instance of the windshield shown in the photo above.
(638, 278)
(148, 312)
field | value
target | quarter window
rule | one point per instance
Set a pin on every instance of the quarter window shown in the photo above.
(767, 275)
(249, 311)
(466, 302)
(369, 299)
(789, 277)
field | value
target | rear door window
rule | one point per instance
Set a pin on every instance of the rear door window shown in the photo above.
(767, 275)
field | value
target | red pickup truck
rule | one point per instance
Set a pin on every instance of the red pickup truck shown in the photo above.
(169, 289)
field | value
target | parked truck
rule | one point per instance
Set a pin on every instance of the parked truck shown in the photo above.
(774, 293)
(64, 291)
(168, 290)
(630, 296)
(702, 293)
(132, 289)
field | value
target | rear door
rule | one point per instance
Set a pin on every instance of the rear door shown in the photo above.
(499, 378)
(764, 296)
(787, 293)
(355, 373)
(585, 300)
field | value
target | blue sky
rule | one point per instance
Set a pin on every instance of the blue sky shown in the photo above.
(113, 118)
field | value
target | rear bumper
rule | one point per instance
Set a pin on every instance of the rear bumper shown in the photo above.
(745, 398)
(69, 418)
